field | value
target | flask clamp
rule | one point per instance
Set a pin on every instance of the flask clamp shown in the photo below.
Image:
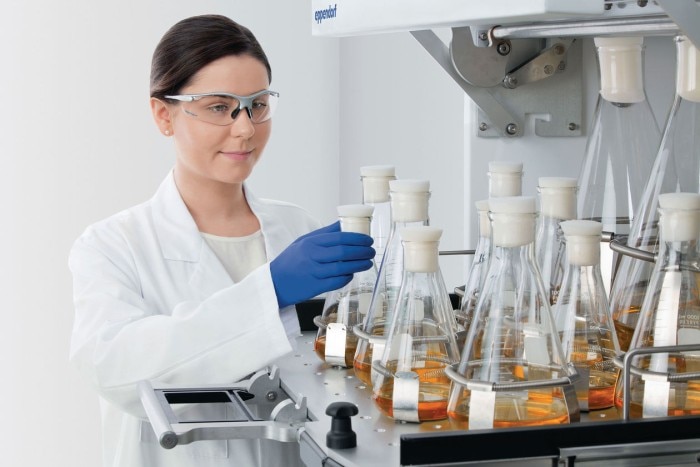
(487, 390)
(624, 362)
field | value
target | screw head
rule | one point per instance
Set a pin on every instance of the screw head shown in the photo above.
(548, 69)
(271, 396)
(483, 126)
(511, 128)
(503, 48)
(573, 126)
(483, 36)
(510, 81)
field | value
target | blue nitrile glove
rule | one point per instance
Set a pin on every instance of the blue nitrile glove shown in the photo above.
(318, 262)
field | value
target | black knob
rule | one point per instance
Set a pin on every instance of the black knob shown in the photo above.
(341, 435)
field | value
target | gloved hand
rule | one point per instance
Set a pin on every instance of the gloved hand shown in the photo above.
(318, 262)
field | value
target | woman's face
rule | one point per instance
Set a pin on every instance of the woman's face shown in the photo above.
(225, 154)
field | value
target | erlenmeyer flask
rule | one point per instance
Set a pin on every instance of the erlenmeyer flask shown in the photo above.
(375, 193)
(512, 371)
(676, 168)
(477, 272)
(557, 204)
(344, 308)
(670, 316)
(582, 317)
(621, 146)
(411, 384)
(409, 208)
(505, 179)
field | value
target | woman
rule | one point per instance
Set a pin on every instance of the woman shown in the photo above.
(197, 285)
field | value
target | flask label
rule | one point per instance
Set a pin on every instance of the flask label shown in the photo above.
(335, 343)
(482, 409)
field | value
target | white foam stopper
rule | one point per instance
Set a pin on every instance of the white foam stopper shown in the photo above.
(621, 74)
(482, 210)
(375, 182)
(513, 220)
(377, 171)
(420, 246)
(582, 241)
(680, 216)
(688, 73)
(557, 182)
(409, 186)
(409, 200)
(355, 217)
(505, 178)
(582, 228)
(558, 197)
(513, 205)
(505, 167)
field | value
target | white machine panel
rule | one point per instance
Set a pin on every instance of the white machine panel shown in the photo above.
(352, 17)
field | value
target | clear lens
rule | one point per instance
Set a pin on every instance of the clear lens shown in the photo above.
(218, 109)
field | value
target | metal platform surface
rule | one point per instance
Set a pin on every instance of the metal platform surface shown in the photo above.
(601, 438)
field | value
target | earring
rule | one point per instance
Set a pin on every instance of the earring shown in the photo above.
(167, 132)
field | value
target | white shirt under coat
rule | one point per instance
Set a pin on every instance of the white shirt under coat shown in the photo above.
(153, 302)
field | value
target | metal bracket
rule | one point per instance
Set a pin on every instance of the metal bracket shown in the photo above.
(551, 60)
(482, 73)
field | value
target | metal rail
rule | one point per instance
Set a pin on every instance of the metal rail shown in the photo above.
(653, 25)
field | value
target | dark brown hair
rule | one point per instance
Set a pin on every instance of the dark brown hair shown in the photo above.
(195, 42)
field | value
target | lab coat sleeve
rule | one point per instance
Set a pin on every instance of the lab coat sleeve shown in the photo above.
(118, 341)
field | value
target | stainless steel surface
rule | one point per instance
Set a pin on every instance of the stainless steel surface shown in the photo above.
(378, 436)
(306, 386)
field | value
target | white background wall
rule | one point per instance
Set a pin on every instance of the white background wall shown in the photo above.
(77, 144)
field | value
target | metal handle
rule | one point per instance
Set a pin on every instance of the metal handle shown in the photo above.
(618, 243)
(159, 421)
(456, 252)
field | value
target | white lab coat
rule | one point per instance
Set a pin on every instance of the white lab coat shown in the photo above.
(153, 302)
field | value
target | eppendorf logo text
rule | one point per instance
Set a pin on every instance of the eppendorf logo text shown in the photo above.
(328, 13)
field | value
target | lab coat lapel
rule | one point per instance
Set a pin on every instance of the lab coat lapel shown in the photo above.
(277, 235)
(180, 240)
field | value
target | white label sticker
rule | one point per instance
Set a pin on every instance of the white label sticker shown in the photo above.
(482, 409)
(364, 300)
